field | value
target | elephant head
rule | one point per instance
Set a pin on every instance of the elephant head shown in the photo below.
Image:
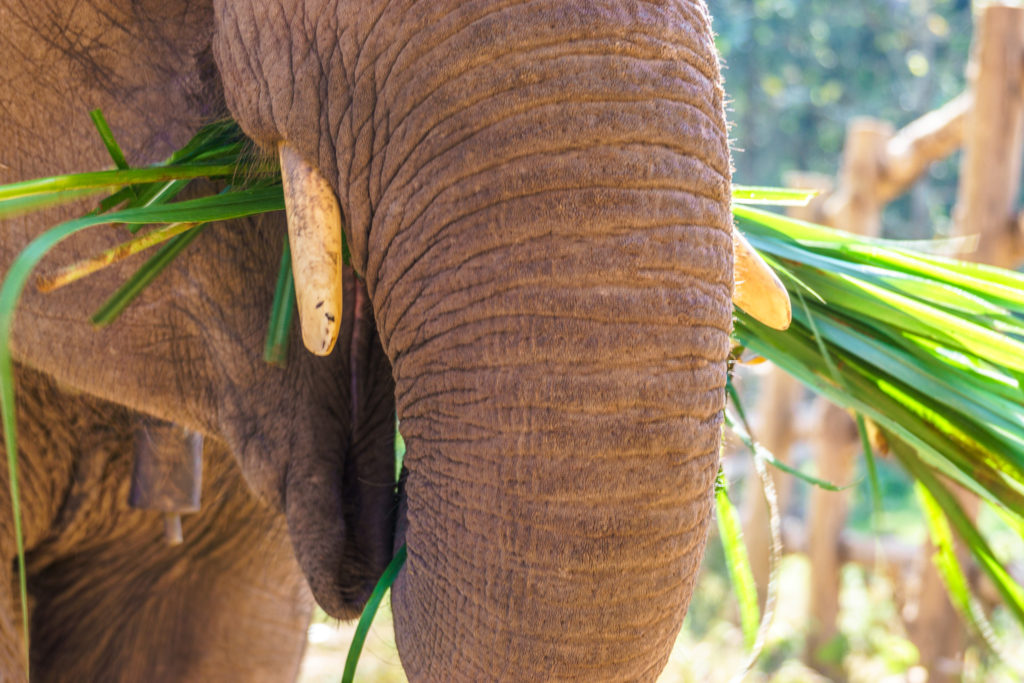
(536, 196)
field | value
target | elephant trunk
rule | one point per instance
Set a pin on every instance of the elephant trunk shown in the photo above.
(550, 264)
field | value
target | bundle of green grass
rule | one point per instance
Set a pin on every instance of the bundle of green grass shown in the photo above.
(929, 349)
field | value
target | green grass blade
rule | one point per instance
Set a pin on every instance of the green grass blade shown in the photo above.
(730, 390)
(20, 206)
(797, 354)
(1012, 593)
(109, 179)
(952, 573)
(115, 200)
(762, 453)
(869, 460)
(1012, 281)
(369, 612)
(126, 293)
(109, 142)
(772, 196)
(161, 193)
(759, 221)
(11, 443)
(219, 207)
(737, 562)
(275, 349)
(10, 293)
(215, 136)
(774, 566)
(940, 387)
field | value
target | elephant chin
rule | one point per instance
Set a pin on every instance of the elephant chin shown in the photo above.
(340, 578)
(339, 496)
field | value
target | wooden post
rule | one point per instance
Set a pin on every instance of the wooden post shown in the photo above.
(855, 207)
(835, 445)
(905, 157)
(991, 162)
(775, 421)
(775, 429)
(990, 171)
(919, 144)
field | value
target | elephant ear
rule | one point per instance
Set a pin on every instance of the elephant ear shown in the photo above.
(340, 500)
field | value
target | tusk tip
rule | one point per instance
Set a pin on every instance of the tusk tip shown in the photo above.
(758, 290)
(314, 233)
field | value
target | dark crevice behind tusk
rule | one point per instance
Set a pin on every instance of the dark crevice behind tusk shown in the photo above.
(167, 475)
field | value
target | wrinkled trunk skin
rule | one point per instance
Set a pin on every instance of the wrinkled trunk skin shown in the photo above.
(551, 273)
(537, 194)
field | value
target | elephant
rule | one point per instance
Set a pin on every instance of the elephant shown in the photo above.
(536, 198)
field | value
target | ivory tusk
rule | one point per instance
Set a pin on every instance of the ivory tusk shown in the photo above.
(314, 234)
(758, 290)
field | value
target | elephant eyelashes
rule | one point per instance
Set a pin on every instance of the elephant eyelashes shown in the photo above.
(314, 234)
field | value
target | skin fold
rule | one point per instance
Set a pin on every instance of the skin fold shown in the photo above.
(536, 197)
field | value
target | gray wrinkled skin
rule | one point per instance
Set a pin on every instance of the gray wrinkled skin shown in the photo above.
(537, 194)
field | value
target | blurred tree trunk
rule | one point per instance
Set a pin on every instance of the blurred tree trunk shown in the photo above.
(855, 207)
(776, 417)
(777, 402)
(990, 172)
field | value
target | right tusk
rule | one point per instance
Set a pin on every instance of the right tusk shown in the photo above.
(314, 235)
(758, 290)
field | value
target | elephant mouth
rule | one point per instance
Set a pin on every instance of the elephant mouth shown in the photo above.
(341, 504)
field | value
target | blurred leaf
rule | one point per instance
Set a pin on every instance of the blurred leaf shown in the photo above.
(77, 271)
(950, 570)
(764, 454)
(746, 194)
(1011, 592)
(275, 350)
(730, 530)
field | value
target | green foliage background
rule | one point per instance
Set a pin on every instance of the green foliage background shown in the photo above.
(797, 70)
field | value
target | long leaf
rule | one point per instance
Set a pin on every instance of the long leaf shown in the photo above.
(275, 349)
(949, 568)
(106, 179)
(126, 293)
(77, 271)
(771, 196)
(1012, 593)
(737, 562)
(369, 612)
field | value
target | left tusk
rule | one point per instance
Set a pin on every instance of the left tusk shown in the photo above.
(758, 290)
(314, 235)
